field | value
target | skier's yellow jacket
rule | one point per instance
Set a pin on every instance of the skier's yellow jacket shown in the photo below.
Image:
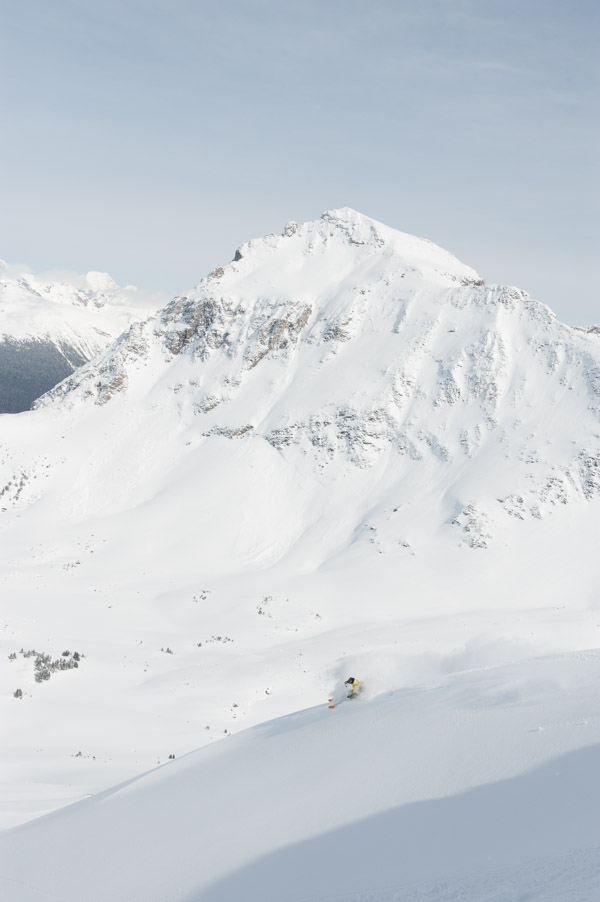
(354, 687)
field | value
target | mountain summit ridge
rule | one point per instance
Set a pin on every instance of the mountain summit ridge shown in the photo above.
(263, 295)
(346, 227)
(354, 228)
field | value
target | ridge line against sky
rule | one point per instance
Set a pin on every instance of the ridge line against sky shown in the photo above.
(149, 138)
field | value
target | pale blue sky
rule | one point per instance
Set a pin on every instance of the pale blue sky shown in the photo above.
(149, 138)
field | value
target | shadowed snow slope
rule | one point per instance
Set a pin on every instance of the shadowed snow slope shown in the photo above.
(485, 783)
(341, 453)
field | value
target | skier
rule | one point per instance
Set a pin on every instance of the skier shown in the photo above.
(353, 686)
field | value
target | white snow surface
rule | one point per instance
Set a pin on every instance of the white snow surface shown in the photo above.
(340, 454)
(482, 786)
(86, 311)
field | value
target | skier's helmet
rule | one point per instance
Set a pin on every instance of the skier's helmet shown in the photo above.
(350, 681)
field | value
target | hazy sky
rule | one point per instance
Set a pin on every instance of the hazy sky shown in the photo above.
(149, 138)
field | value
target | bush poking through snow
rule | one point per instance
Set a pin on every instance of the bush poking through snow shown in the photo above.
(44, 665)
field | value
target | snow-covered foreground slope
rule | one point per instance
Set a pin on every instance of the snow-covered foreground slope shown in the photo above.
(482, 787)
(51, 326)
(340, 454)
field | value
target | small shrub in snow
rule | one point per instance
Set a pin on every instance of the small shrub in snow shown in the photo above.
(44, 665)
(202, 595)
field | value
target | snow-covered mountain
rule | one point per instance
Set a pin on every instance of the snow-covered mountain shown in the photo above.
(344, 354)
(341, 453)
(50, 325)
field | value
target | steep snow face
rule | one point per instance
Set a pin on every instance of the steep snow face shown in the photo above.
(338, 450)
(49, 326)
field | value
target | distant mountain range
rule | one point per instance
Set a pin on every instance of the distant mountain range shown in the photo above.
(51, 325)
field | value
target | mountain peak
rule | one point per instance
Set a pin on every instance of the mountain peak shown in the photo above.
(344, 239)
(350, 220)
(421, 253)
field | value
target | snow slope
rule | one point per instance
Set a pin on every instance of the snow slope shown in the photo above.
(50, 325)
(340, 453)
(481, 787)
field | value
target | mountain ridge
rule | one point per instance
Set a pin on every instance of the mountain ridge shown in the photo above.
(52, 324)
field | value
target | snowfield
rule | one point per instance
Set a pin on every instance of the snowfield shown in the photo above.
(340, 454)
(482, 786)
